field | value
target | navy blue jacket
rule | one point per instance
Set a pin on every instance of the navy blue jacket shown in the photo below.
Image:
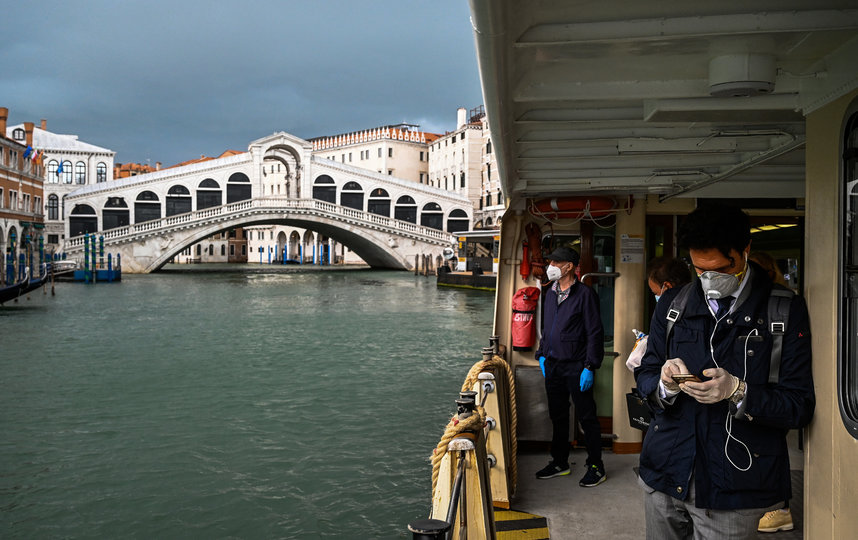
(687, 436)
(572, 331)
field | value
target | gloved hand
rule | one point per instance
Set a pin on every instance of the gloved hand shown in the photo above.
(586, 381)
(542, 365)
(672, 366)
(721, 386)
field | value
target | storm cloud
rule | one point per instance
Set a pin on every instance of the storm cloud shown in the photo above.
(169, 81)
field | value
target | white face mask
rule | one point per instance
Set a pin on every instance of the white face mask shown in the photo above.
(553, 273)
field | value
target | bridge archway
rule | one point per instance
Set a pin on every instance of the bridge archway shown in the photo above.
(379, 202)
(325, 189)
(209, 194)
(147, 207)
(351, 196)
(178, 201)
(406, 209)
(457, 220)
(294, 240)
(237, 188)
(432, 216)
(115, 213)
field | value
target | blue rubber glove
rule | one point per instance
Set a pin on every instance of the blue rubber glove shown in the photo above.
(542, 365)
(586, 380)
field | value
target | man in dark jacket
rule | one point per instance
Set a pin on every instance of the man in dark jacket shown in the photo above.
(715, 456)
(570, 351)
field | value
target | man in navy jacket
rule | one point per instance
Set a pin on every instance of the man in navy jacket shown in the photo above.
(570, 351)
(715, 456)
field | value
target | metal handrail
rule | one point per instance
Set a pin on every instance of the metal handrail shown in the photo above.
(600, 274)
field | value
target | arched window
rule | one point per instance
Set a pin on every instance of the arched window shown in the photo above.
(324, 189)
(80, 172)
(178, 201)
(147, 207)
(222, 250)
(101, 172)
(379, 202)
(237, 188)
(53, 177)
(406, 209)
(67, 172)
(208, 194)
(457, 220)
(53, 207)
(115, 213)
(352, 196)
(211, 250)
(82, 220)
(432, 216)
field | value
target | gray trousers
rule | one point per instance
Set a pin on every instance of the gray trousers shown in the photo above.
(671, 519)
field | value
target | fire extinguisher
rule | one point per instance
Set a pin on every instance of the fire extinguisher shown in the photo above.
(524, 267)
(523, 318)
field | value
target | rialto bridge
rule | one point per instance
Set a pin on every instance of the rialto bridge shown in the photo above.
(150, 218)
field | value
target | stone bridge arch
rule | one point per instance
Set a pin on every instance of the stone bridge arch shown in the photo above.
(377, 249)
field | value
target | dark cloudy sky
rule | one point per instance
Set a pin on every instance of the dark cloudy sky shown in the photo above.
(169, 80)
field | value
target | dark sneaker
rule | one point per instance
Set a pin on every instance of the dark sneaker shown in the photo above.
(551, 470)
(595, 475)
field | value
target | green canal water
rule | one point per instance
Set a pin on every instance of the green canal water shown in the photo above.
(243, 404)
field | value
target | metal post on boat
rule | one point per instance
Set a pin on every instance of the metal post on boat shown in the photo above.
(495, 343)
(428, 529)
(488, 352)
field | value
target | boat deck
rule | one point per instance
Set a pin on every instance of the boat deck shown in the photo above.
(613, 509)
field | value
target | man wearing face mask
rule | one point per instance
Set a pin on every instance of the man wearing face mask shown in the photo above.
(715, 457)
(570, 351)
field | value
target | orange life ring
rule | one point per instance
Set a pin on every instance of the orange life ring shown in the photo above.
(574, 207)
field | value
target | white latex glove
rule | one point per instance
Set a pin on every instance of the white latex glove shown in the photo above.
(672, 366)
(720, 386)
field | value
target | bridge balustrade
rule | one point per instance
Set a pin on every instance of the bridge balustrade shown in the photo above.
(272, 202)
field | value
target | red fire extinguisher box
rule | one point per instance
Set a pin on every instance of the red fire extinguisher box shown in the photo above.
(524, 318)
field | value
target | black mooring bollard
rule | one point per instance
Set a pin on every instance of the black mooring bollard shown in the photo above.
(428, 529)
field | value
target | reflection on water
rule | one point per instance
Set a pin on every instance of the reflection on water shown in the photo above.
(242, 404)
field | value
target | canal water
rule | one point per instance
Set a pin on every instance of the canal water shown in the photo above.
(242, 404)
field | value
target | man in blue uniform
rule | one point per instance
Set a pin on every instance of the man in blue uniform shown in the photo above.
(570, 351)
(715, 456)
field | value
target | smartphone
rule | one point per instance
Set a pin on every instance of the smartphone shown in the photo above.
(684, 377)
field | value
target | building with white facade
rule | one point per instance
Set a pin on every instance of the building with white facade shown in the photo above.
(69, 164)
(462, 161)
(399, 150)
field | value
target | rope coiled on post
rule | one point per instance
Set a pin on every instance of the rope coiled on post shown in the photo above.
(478, 420)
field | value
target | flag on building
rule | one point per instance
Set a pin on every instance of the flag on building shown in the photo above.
(28, 152)
(60, 168)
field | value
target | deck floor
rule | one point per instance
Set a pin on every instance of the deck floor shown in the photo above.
(613, 509)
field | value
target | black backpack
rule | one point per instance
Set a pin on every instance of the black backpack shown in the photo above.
(778, 313)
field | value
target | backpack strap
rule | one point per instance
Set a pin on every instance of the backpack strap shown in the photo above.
(779, 303)
(674, 312)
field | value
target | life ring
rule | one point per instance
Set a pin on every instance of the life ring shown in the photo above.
(574, 207)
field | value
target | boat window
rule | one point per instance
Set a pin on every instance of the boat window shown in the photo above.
(847, 366)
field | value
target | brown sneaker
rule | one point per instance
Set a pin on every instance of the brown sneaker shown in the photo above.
(776, 520)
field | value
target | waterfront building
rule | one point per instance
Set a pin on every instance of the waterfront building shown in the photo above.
(462, 161)
(397, 150)
(69, 165)
(21, 190)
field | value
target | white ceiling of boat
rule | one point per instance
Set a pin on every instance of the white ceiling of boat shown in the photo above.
(614, 96)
